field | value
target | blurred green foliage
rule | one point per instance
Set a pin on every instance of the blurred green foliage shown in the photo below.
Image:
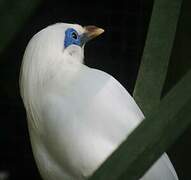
(157, 52)
(13, 15)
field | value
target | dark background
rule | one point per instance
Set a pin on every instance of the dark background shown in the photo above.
(118, 51)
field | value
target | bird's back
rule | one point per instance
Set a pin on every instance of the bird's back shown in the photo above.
(84, 122)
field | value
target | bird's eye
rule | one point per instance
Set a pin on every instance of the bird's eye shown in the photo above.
(74, 35)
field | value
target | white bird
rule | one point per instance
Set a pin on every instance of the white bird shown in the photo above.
(77, 115)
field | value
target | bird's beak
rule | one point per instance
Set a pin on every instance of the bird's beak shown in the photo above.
(91, 32)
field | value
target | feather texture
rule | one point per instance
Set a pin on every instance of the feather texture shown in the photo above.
(77, 115)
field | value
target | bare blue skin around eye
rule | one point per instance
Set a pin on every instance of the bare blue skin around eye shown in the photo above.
(70, 40)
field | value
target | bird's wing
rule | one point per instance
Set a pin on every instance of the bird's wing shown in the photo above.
(162, 169)
(122, 114)
(88, 120)
(126, 109)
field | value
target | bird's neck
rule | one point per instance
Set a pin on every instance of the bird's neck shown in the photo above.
(36, 81)
(38, 77)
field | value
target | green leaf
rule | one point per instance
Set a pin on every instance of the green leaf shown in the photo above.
(157, 52)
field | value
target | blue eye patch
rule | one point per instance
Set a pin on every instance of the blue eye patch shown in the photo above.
(72, 37)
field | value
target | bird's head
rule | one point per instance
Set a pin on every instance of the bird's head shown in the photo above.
(58, 45)
(62, 41)
(54, 48)
(76, 36)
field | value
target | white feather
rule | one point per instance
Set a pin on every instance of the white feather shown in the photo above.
(77, 115)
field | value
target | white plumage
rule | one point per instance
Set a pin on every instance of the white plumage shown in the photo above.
(77, 116)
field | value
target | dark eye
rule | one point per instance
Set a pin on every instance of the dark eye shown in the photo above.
(74, 35)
